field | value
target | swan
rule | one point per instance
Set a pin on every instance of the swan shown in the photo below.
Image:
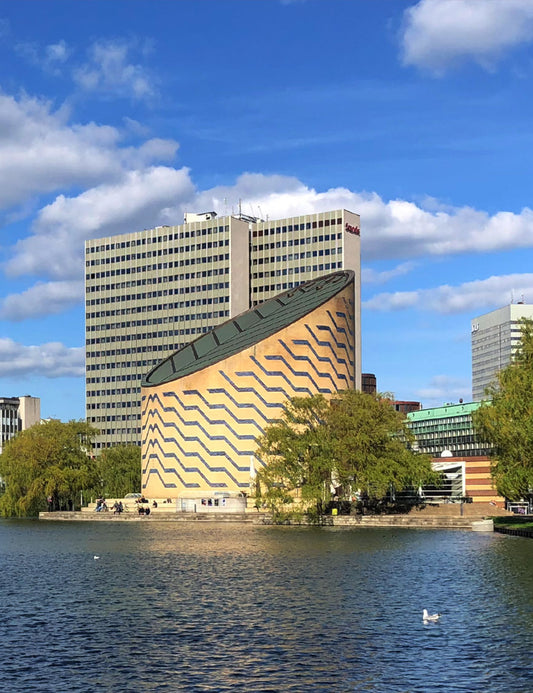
(429, 617)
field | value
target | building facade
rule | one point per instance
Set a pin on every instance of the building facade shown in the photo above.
(151, 292)
(204, 406)
(447, 434)
(17, 414)
(495, 337)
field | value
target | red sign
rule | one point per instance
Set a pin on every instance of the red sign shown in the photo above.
(352, 229)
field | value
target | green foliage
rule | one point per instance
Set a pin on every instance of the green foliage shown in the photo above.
(355, 441)
(119, 469)
(507, 421)
(298, 454)
(47, 460)
(369, 445)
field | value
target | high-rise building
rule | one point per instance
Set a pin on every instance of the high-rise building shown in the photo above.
(149, 293)
(495, 337)
(18, 414)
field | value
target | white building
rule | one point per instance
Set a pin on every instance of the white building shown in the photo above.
(17, 414)
(151, 292)
(495, 337)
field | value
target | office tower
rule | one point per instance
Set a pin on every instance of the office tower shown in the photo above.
(18, 414)
(149, 293)
(495, 337)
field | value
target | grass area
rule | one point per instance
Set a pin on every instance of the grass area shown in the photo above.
(514, 522)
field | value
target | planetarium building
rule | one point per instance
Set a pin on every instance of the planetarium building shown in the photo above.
(204, 406)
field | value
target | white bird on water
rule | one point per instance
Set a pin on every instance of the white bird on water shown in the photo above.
(429, 617)
(96, 558)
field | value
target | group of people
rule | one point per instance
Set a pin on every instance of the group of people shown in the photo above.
(101, 505)
(117, 507)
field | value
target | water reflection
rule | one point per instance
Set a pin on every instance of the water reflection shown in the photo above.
(201, 607)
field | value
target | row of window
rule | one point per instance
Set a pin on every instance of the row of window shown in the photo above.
(157, 253)
(186, 276)
(155, 294)
(184, 317)
(302, 270)
(307, 240)
(295, 256)
(146, 240)
(159, 266)
(122, 404)
(295, 227)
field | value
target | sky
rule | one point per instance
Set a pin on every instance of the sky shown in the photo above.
(119, 116)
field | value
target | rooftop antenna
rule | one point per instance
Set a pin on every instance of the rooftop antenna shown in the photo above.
(240, 204)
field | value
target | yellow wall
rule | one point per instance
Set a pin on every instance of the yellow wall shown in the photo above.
(198, 431)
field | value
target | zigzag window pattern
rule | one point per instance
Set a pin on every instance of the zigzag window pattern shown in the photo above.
(199, 428)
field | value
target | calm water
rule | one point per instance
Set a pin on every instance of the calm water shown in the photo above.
(193, 607)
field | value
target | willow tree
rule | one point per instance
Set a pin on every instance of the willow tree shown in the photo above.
(51, 461)
(297, 453)
(355, 441)
(119, 469)
(370, 445)
(506, 421)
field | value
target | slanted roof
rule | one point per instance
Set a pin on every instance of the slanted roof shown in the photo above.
(248, 328)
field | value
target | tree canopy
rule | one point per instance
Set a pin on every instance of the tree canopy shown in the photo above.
(49, 460)
(119, 469)
(355, 441)
(506, 420)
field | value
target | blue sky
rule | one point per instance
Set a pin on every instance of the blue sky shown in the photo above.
(119, 116)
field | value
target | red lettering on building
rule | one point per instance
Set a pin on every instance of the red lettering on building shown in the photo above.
(352, 229)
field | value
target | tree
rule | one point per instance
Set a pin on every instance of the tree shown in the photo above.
(506, 421)
(119, 468)
(50, 460)
(371, 445)
(355, 440)
(297, 453)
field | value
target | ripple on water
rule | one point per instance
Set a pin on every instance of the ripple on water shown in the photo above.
(237, 608)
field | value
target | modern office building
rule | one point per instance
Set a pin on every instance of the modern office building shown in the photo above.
(495, 337)
(204, 406)
(447, 434)
(18, 414)
(151, 292)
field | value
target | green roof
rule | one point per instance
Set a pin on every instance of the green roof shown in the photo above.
(443, 412)
(249, 328)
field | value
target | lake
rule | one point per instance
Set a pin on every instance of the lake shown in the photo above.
(198, 607)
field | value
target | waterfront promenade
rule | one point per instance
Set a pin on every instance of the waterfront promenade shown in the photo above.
(451, 516)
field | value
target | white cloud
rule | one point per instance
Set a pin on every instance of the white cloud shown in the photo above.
(57, 52)
(42, 299)
(440, 33)
(51, 360)
(443, 389)
(109, 71)
(468, 297)
(41, 152)
(372, 276)
(139, 200)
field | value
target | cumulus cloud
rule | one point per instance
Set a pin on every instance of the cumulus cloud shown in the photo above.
(443, 389)
(109, 70)
(467, 297)
(41, 152)
(139, 200)
(44, 298)
(439, 33)
(372, 276)
(51, 360)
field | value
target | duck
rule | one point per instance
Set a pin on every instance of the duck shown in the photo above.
(430, 617)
